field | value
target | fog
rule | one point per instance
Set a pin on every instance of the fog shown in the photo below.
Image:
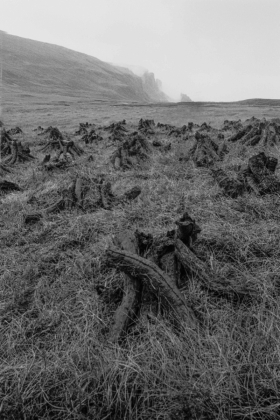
(211, 50)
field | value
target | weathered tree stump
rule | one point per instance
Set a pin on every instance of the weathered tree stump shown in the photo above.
(143, 259)
(179, 131)
(49, 164)
(166, 127)
(129, 309)
(146, 126)
(232, 125)
(63, 147)
(154, 278)
(205, 152)
(76, 194)
(91, 137)
(131, 153)
(118, 127)
(19, 153)
(83, 129)
(258, 176)
(261, 132)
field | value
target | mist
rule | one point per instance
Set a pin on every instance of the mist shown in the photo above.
(218, 50)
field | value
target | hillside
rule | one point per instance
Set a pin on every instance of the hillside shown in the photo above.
(40, 69)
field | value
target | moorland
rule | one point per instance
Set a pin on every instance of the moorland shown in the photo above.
(60, 293)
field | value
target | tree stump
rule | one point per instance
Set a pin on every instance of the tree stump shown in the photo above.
(131, 153)
(19, 153)
(154, 278)
(205, 152)
(76, 194)
(262, 132)
(142, 258)
(129, 309)
(258, 176)
(91, 137)
(146, 126)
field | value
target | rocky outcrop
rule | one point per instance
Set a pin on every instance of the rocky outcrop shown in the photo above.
(185, 98)
(152, 87)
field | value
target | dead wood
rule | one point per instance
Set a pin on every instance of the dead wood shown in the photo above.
(179, 131)
(131, 153)
(258, 176)
(129, 309)
(155, 279)
(166, 127)
(255, 131)
(76, 194)
(232, 125)
(63, 147)
(118, 127)
(19, 153)
(220, 286)
(146, 126)
(205, 152)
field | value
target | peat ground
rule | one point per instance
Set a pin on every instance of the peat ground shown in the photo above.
(58, 298)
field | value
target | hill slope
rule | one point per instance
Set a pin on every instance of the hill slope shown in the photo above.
(37, 68)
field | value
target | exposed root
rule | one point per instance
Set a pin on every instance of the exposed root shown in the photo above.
(18, 153)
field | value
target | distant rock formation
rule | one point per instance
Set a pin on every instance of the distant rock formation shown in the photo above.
(152, 87)
(185, 98)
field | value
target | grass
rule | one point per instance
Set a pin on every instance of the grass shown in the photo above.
(55, 359)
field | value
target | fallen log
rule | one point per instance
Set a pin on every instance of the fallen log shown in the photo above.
(155, 279)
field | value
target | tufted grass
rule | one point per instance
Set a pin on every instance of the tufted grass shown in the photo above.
(55, 358)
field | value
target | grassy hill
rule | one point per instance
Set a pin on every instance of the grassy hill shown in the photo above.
(37, 69)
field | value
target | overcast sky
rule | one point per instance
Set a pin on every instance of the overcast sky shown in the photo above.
(212, 50)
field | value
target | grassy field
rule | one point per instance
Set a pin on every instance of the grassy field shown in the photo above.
(56, 361)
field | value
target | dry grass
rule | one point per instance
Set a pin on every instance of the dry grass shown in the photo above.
(56, 361)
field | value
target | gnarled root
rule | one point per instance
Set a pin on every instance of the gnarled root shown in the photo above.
(19, 153)
(154, 278)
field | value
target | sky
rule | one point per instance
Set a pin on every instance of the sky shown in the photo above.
(211, 50)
